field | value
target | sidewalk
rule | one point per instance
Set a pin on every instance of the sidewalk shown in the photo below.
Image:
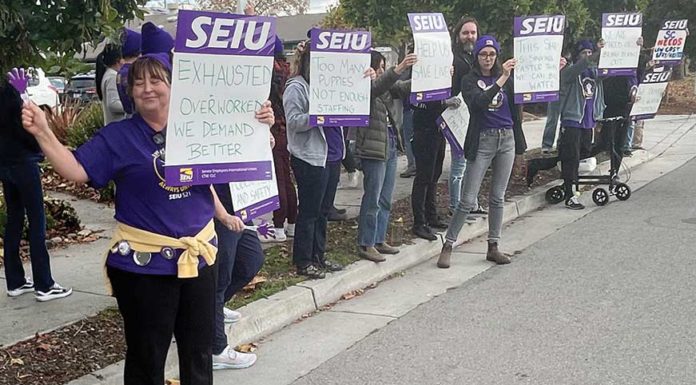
(80, 266)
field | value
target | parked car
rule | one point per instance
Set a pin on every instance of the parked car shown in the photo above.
(82, 87)
(40, 89)
(59, 83)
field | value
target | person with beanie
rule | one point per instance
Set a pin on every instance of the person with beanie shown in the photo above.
(494, 137)
(130, 51)
(109, 62)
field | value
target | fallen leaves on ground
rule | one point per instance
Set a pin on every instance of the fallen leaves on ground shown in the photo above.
(247, 348)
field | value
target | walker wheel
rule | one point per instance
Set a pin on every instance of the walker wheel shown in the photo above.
(622, 191)
(554, 195)
(600, 196)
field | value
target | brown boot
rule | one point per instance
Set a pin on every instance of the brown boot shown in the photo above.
(444, 261)
(495, 255)
(371, 254)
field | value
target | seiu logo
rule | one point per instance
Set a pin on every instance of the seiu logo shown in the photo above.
(542, 24)
(623, 20)
(656, 77)
(228, 33)
(356, 41)
(675, 24)
(429, 22)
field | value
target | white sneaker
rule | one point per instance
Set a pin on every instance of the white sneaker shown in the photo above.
(55, 292)
(280, 235)
(290, 230)
(232, 359)
(28, 287)
(231, 316)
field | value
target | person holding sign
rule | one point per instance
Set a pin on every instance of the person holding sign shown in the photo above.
(313, 150)
(160, 259)
(493, 138)
(377, 147)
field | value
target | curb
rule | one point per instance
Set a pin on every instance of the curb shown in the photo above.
(266, 316)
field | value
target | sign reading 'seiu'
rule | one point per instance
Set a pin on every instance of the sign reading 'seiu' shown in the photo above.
(357, 41)
(428, 22)
(624, 20)
(227, 33)
(542, 25)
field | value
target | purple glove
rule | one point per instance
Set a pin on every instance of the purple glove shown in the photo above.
(19, 79)
(264, 229)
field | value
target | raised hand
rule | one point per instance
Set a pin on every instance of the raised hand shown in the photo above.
(34, 119)
(265, 113)
(408, 61)
(508, 66)
(19, 79)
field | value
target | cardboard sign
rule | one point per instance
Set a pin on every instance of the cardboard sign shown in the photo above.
(650, 93)
(454, 124)
(538, 42)
(669, 47)
(221, 75)
(620, 32)
(339, 93)
(431, 79)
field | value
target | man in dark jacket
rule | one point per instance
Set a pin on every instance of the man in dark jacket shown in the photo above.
(21, 182)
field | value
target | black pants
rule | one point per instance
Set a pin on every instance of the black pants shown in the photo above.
(612, 139)
(429, 151)
(155, 307)
(573, 144)
(316, 189)
(21, 186)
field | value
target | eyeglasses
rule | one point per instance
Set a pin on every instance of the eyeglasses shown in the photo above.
(487, 56)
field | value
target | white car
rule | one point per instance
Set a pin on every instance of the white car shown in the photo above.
(40, 89)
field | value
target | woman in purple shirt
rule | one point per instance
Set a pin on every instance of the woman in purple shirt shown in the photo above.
(494, 137)
(163, 292)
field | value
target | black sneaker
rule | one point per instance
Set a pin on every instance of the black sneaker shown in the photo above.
(408, 173)
(628, 153)
(438, 224)
(28, 287)
(55, 292)
(479, 211)
(574, 204)
(331, 265)
(424, 232)
(311, 272)
(337, 210)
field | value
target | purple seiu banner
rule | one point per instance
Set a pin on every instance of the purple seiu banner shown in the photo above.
(217, 33)
(537, 97)
(622, 20)
(427, 22)
(188, 175)
(339, 120)
(430, 96)
(259, 208)
(327, 40)
(457, 148)
(539, 25)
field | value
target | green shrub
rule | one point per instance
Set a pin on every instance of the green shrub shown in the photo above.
(87, 123)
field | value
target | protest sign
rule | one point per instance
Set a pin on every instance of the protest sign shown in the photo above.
(620, 32)
(339, 93)
(221, 75)
(454, 123)
(669, 47)
(253, 199)
(431, 79)
(538, 42)
(650, 92)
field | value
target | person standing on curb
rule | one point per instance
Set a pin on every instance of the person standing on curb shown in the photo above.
(377, 147)
(20, 175)
(466, 34)
(315, 157)
(493, 138)
(161, 257)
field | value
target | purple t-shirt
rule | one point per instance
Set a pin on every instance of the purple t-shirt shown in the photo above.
(498, 114)
(126, 153)
(122, 88)
(589, 88)
(334, 140)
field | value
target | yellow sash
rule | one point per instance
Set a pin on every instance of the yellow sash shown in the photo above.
(147, 242)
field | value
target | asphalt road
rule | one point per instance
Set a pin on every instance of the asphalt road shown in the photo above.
(608, 299)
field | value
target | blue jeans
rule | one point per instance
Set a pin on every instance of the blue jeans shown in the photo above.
(310, 228)
(629, 135)
(375, 207)
(457, 167)
(239, 258)
(23, 194)
(407, 135)
(496, 148)
(553, 112)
